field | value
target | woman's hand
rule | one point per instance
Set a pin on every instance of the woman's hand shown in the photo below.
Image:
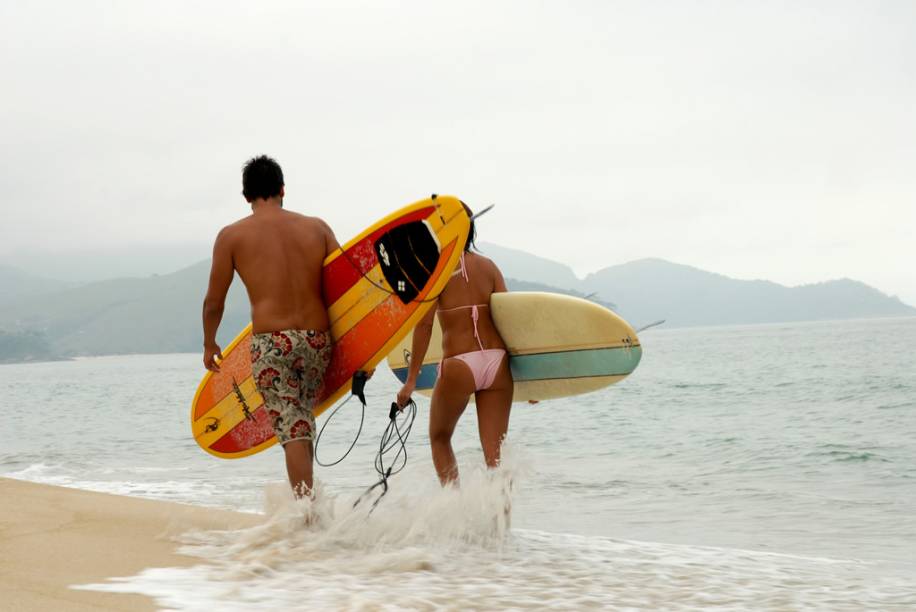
(405, 393)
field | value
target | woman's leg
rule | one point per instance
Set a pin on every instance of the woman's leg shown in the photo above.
(450, 397)
(493, 406)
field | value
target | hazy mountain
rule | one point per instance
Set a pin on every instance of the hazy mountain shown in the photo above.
(88, 265)
(650, 289)
(16, 347)
(514, 284)
(157, 314)
(160, 314)
(521, 265)
(16, 284)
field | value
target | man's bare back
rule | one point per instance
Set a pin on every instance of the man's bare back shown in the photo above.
(279, 255)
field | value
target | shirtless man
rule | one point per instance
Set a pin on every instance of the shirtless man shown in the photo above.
(279, 255)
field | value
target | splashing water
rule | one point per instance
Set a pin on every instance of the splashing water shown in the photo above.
(427, 547)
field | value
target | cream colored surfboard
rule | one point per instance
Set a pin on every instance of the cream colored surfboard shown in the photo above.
(559, 346)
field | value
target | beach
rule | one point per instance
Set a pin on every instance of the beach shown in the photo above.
(52, 538)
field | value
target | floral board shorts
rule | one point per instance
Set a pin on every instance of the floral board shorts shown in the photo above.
(288, 368)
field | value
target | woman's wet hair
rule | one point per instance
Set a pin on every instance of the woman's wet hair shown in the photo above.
(262, 177)
(472, 232)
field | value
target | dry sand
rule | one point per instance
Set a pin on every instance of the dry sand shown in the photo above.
(54, 537)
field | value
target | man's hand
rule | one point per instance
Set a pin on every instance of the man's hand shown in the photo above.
(405, 393)
(221, 273)
(211, 354)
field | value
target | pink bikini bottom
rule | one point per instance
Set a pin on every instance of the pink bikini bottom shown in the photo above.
(483, 365)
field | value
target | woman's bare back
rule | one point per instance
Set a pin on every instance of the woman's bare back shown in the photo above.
(456, 300)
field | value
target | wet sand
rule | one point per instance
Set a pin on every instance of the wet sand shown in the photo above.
(52, 538)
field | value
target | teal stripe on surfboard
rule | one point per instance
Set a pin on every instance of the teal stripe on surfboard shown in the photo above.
(585, 363)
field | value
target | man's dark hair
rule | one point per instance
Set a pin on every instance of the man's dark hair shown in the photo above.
(262, 177)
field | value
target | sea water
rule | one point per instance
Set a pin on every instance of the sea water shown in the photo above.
(763, 467)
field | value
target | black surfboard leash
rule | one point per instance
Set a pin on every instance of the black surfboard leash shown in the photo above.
(394, 436)
(357, 390)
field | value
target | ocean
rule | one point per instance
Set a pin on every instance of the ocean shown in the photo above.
(741, 467)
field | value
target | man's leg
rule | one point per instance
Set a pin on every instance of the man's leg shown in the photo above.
(313, 353)
(289, 397)
(299, 466)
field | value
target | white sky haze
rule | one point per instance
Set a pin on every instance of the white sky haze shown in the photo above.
(768, 140)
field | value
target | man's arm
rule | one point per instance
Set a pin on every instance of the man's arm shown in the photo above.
(221, 272)
(330, 241)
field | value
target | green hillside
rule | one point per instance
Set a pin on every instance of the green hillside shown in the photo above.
(161, 314)
(18, 285)
(158, 314)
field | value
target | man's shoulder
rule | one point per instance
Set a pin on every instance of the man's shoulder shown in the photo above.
(235, 227)
(311, 224)
(307, 219)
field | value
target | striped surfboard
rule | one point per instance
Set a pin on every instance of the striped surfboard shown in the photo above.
(377, 287)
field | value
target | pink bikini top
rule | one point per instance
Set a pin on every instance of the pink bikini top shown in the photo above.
(475, 314)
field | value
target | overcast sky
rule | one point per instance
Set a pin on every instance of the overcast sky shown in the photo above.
(768, 140)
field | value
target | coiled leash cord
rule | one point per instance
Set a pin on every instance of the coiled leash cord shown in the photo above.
(395, 435)
(357, 390)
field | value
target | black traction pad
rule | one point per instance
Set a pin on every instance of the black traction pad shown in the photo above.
(408, 255)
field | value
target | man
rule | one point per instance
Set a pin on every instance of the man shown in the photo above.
(279, 255)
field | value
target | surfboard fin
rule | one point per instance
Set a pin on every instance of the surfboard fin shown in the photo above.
(480, 213)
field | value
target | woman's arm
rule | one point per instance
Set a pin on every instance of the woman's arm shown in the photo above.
(418, 348)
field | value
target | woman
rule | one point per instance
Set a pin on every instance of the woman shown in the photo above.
(474, 361)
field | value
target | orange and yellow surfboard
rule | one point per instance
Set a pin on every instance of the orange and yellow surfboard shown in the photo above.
(377, 287)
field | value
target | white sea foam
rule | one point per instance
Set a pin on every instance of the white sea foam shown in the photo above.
(529, 570)
(430, 548)
(122, 481)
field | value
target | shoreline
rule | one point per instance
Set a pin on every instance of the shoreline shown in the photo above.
(52, 538)
(36, 360)
(667, 327)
